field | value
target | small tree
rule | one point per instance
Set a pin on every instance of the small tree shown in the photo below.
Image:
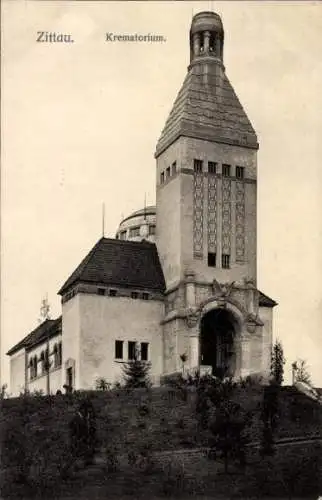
(277, 363)
(270, 411)
(136, 373)
(301, 372)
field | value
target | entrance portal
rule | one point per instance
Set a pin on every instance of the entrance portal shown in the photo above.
(217, 342)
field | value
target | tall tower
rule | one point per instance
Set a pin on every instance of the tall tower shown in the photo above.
(206, 201)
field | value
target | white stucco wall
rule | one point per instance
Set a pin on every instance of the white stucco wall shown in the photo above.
(103, 320)
(17, 372)
(71, 337)
(266, 315)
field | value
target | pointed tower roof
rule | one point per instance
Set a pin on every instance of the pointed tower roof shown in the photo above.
(207, 106)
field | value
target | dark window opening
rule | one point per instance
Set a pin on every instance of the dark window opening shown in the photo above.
(226, 170)
(240, 172)
(212, 167)
(144, 351)
(197, 166)
(145, 296)
(135, 231)
(43, 363)
(118, 349)
(55, 355)
(225, 261)
(168, 172)
(112, 293)
(211, 259)
(60, 354)
(162, 177)
(134, 295)
(101, 291)
(131, 350)
(123, 235)
(174, 168)
(33, 367)
(152, 230)
(212, 42)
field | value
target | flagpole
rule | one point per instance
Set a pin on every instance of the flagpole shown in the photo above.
(103, 220)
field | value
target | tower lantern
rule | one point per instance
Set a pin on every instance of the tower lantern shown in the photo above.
(206, 37)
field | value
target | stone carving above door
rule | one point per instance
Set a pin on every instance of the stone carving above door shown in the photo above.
(193, 316)
(222, 290)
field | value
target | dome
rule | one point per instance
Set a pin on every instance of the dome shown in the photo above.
(206, 21)
(139, 226)
(150, 210)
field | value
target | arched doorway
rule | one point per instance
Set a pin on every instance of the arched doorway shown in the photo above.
(217, 342)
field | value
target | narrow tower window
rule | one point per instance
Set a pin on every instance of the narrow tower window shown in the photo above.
(197, 166)
(212, 167)
(226, 170)
(211, 259)
(162, 178)
(168, 172)
(225, 261)
(240, 172)
(174, 168)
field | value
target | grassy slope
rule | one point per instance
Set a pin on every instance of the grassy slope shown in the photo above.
(35, 431)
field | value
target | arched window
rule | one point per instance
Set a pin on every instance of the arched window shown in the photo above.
(43, 364)
(31, 367)
(60, 354)
(56, 360)
(212, 43)
(35, 365)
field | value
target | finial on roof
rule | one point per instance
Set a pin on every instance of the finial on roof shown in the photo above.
(44, 310)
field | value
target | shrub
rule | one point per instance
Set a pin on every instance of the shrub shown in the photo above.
(101, 384)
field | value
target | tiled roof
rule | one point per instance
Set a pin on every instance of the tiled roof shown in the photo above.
(210, 111)
(120, 263)
(265, 301)
(47, 329)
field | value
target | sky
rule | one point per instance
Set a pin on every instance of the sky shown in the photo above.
(79, 126)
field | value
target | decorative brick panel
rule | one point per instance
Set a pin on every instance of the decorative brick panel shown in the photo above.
(212, 213)
(240, 221)
(198, 215)
(226, 216)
